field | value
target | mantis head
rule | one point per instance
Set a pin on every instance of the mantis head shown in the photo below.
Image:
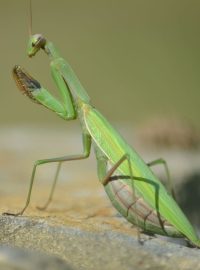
(35, 43)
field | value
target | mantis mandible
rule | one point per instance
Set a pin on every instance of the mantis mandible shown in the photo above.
(130, 184)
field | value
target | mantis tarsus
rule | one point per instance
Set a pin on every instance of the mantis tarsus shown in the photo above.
(130, 184)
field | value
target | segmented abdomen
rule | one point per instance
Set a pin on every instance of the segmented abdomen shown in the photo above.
(136, 210)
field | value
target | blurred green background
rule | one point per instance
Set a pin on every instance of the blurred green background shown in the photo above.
(136, 58)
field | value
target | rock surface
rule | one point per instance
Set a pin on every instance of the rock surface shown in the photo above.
(94, 249)
(80, 226)
(14, 258)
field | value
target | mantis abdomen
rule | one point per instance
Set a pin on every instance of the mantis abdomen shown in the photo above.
(136, 209)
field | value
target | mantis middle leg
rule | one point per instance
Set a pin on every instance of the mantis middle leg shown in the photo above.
(85, 154)
(163, 162)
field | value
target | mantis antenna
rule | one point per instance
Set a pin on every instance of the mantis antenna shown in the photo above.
(30, 19)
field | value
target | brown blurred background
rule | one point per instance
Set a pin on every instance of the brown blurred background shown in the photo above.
(136, 59)
(139, 60)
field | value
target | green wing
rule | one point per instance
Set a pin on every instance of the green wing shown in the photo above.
(114, 147)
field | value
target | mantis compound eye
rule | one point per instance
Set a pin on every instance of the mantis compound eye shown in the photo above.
(35, 43)
(39, 41)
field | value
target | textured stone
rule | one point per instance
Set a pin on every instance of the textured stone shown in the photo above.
(14, 258)
(80, 226)
(86, 249)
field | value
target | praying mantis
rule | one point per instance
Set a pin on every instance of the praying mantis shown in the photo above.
(129, 182)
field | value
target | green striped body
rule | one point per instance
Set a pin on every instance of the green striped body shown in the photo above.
(151, 207)
(148, 219)
(156, 210)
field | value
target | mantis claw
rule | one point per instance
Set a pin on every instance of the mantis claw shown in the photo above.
(26, 83)
(42, 208)
(12, 214)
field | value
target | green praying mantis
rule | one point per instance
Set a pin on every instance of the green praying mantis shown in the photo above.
(130, 184)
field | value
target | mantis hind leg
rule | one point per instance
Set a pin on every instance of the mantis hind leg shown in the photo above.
(163, 162)
(85, 154)
(52, 188)
(105, 176)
